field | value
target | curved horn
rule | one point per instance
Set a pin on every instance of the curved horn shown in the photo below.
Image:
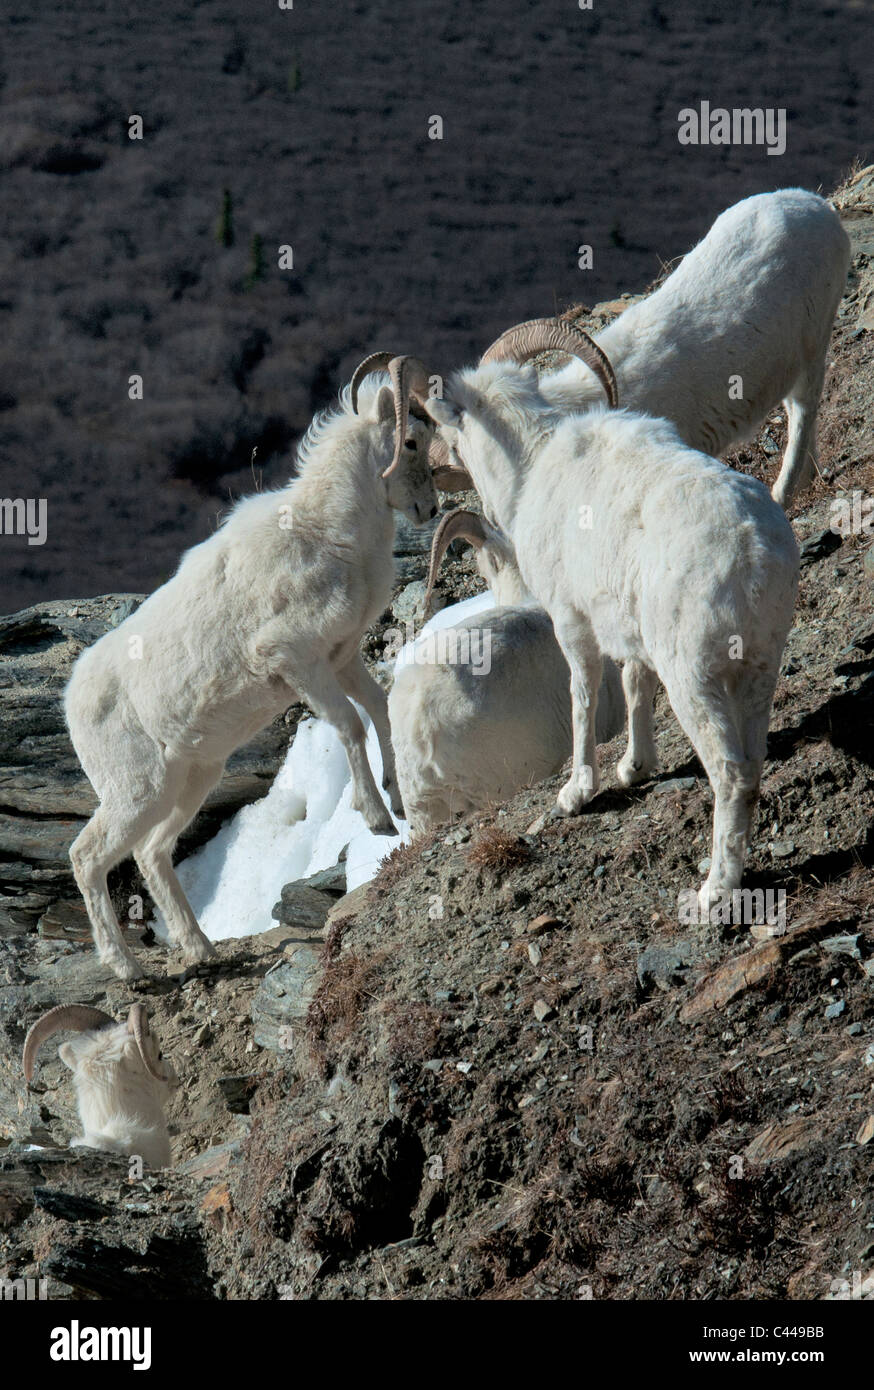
(75, 1017)
(449, 477)
(138, 1025)
(550, 335)
(376, 362)
(455, 524)
(408, 375)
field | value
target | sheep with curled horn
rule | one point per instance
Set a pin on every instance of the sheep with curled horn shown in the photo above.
(121, 1078)
(268, 611)
(467, 738)
(688, 572)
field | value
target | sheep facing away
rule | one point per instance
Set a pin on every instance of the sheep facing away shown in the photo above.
(465, 740)
(683, 568)
(743, 323)
(740, 326)
(267, 611)
(121, 1079)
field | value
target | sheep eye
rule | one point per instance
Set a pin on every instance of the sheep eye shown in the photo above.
(411, 444)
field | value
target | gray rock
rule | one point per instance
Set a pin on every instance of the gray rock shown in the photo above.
(410, 567)
(302, 908)
(818, 547)
(842, 946)
(331, 880)
(674, 784)
(664, 966)
(413, 540)
(782, 849)
(863, 637)
(286, 992)
(407, 607)
(237, 1092)
(835, 1010)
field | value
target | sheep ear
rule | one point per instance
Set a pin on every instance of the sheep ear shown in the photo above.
(385, 404)
(67, 1054)
(444, 412)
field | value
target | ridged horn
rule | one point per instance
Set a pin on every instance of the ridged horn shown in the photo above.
(76, 1018)
(138, 1025)
(460, 523)
(376, 362)
(407, 375)
(551, 335)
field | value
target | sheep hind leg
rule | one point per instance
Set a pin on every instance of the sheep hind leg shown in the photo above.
(110, 835)
(640, 760)
(799, 460)
(577, 641)
(154, 856)
(709, 716)
(357, 682)
(322, 692)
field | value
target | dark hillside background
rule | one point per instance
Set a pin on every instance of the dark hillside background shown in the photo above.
(560, 128)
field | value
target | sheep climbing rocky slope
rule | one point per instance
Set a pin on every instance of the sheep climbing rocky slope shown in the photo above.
(506, 1069)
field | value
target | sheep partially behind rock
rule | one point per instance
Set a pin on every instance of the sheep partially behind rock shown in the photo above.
(469, 734)
(121, 1078)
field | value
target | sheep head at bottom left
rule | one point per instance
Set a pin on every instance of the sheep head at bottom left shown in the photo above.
(121, 1078)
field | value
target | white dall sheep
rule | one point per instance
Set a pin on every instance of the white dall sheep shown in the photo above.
(466, 737)
(742, 324)
(122, 1080)
(267, 611)
(639, 547)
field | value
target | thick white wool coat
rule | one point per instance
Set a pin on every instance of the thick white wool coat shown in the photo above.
(755, 300)
(121, 1107)
(269, 610)
(465, 741)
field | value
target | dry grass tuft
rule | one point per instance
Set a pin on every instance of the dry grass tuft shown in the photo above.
(499, 851)
(402, 860)
(341, 995)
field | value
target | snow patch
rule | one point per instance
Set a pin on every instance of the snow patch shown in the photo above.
(303, 824)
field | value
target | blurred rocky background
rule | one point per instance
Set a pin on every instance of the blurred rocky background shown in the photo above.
(308, 127)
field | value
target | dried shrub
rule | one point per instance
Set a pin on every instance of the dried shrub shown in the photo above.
(340, 997)
(499, 851)
(413, 1032)
(401, 861)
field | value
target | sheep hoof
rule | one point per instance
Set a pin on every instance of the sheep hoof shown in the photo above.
(198, 951)
(710, 896)
(397, 806)
(629, 774)
(125, 967)
(572, 799)
(383, 826)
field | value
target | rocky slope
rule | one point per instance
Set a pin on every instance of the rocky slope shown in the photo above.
(508, 1068)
